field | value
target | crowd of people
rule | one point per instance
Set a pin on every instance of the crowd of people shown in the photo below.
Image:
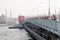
(50, 17)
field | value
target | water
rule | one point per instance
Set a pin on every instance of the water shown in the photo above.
(13, 34)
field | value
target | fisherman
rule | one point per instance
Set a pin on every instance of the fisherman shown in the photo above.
(53, 17)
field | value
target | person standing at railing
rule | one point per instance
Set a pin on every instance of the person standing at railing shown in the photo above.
(54, 17)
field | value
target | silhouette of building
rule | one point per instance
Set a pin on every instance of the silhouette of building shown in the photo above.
(2, 19)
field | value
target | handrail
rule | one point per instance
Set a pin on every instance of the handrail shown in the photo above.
(50, 25)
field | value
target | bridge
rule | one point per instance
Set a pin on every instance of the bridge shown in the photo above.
(41, 29)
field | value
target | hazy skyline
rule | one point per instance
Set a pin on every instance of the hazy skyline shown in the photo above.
(28, 7)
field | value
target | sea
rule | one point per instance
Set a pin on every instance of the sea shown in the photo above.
(13, 34)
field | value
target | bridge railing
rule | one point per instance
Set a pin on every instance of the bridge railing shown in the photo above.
(50, 25)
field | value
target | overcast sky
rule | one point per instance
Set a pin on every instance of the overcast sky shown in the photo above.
(28, 7)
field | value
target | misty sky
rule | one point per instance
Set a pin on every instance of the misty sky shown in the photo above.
(28, 7)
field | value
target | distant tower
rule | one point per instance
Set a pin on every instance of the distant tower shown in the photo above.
(10, 21)
(6, 15)
(6, 12)
(10, 14)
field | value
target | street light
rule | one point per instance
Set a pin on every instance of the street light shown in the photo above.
(38, 8)
(49, 8)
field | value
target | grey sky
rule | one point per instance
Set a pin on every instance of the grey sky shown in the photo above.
(28, 7)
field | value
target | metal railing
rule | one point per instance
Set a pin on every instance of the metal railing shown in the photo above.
(50, 25)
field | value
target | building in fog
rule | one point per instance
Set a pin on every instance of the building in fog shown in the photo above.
(8, 21)
(2, 19)
(11, 21)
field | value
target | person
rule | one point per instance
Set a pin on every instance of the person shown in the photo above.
(54, 17)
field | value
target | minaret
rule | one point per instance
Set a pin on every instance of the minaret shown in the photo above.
(6, 15)
(6, 12)
(10, 14)
(10, 17)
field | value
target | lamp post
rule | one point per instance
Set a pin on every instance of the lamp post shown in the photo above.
(49, 8)
(38, 8)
